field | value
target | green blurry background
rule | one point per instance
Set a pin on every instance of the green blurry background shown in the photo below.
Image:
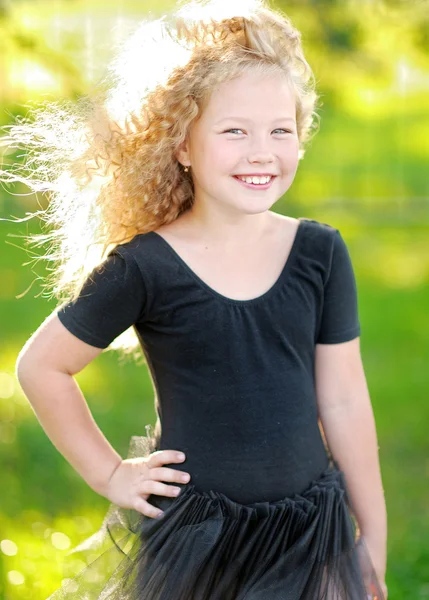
(366, 172)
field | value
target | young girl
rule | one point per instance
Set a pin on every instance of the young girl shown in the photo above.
(161, 212)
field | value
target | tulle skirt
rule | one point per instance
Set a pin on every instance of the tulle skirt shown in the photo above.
(208, 547)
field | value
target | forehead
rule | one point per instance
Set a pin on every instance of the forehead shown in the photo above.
(251, 96)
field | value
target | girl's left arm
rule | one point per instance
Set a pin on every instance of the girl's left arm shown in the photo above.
(347, 418)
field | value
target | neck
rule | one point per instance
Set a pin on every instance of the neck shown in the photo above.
(218, 228)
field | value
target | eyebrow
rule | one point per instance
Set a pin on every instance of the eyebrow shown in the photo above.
(250, 120)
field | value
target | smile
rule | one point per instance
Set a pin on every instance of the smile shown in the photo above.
(253, 182)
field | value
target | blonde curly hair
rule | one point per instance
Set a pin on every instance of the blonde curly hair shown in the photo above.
(108, 160)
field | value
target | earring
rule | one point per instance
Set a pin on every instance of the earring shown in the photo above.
(186, 169)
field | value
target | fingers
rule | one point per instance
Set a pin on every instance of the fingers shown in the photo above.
(161, 457)
(157, 471)
(166, 474)
(155, 475)
(142, 506)
(151, 486)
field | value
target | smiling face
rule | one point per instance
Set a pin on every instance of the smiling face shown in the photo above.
(247, 128)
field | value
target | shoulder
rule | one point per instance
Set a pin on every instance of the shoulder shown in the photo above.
(140, 240)
(318, 238)
(138, 251)
(319, 227)
(148, 258)
(324, 237)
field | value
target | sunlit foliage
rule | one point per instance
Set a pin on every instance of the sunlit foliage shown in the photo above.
(365, 172)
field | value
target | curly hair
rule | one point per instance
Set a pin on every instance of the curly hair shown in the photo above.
(108, 160)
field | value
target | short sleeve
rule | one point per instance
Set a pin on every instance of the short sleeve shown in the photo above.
(339, 319)
(112, 299)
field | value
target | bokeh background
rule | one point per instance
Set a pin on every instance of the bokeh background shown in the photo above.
(366, 173)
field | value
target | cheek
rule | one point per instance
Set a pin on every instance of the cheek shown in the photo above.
(221, 156)
(291, 156)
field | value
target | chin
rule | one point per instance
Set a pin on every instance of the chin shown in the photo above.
(257, 209)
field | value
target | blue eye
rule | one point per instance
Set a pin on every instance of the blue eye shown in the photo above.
(237, 129)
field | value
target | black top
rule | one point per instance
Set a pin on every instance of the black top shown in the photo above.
(233, 379)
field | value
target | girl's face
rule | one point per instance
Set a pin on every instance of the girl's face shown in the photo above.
(248, 128)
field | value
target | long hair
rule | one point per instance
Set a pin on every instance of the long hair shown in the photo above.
(108, 160)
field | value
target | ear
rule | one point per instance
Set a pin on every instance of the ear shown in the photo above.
(182, 154)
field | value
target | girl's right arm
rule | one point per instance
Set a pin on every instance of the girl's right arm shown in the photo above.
(45, 369)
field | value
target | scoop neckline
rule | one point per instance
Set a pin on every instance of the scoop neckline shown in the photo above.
(227, 299)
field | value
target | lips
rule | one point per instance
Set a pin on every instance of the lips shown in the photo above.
(255, 175)
(255, 186)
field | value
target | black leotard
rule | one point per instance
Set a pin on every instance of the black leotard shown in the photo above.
(233, 379)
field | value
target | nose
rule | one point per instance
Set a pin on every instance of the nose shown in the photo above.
(261, 157)
(259, 151)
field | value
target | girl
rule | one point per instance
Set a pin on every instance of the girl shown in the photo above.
(162, 194)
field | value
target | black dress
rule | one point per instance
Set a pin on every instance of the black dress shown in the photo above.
(266, 515)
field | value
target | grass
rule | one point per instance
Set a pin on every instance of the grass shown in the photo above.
(47, 508)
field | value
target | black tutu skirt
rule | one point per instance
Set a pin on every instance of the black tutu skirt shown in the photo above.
(208, 547)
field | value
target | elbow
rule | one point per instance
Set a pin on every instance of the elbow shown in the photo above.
(21, 367)
(25, 364)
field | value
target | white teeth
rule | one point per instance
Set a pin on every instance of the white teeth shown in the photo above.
(256, 180)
